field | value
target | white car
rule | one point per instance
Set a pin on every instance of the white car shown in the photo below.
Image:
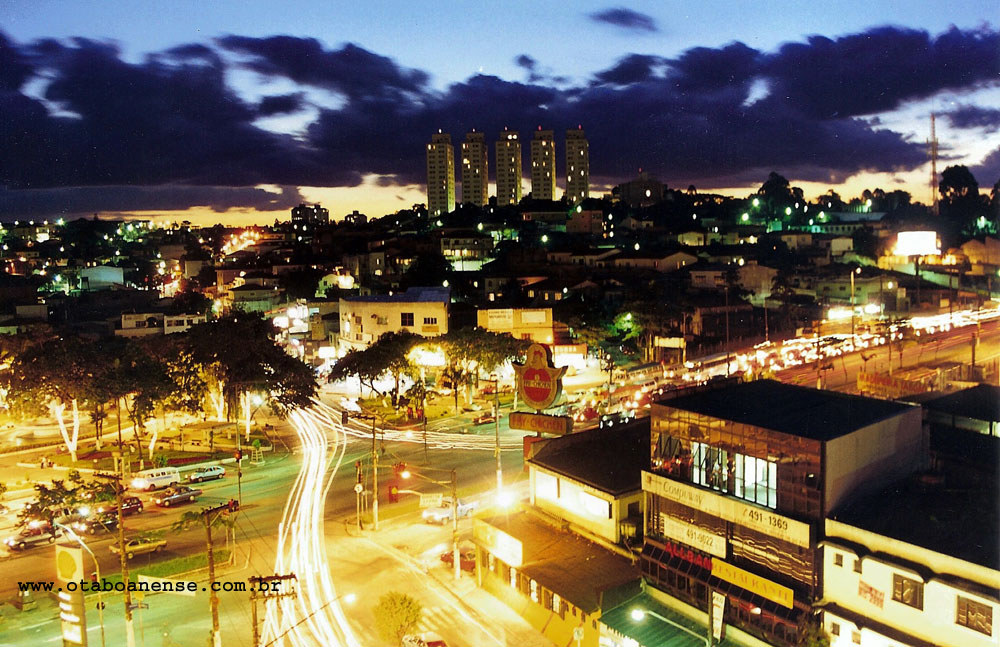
(442, 513)
(206, 473)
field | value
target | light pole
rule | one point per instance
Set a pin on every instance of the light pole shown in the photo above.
(454, 511)
(97, 569)
(639, 615)
(856, 270)
(496, 446)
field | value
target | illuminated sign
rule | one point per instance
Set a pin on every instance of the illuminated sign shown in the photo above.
(73, 617)
(693, 535)
(503, 546)
(886, 386)
(69, 563)
(917, 243)
(688, 555)
(541, 423)
(539, 383)
(749, 516)
(753, 583)
(499, 318)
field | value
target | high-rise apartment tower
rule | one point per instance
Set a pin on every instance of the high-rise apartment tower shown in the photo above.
(475, 170)
(577, 166)
(508, 168)
(543, 165)
(440, 175)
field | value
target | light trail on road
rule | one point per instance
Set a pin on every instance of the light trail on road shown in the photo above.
(314, 616)
(435, 439)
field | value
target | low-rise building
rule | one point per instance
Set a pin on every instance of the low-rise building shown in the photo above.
(915, 565)
(741, 480)
(363, 319)
(521, 323)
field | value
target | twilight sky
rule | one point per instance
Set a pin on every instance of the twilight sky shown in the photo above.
(235, 112)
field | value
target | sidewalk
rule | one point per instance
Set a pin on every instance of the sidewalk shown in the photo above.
(474, 602)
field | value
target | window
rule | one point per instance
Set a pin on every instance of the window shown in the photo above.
(430, 321)
(909, 592)
(835, 628)
(856, 637)
(381, 321)
(838, 559)
(857, 566)
(406, 319)
(975, 615)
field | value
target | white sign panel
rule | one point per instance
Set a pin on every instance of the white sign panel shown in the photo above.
(693, 536)
(431, 500)
(534, 316)
(753, 517)
(718, 613)
(499, 318)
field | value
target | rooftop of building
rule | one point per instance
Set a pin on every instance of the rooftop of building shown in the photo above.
(411, 295)
(610, 460)
(962, 523)
(563, 562)
(786, 408)
(980, 402)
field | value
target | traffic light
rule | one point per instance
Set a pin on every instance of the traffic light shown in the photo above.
(393, 493)
(401, 471)
(238, 454)
(343, 418)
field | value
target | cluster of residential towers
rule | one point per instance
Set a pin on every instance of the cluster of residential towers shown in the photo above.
(475, 169)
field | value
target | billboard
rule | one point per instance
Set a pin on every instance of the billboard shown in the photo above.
(917, 243)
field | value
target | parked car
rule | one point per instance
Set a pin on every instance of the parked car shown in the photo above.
(176, 494)
(33, 535)
(156, 478)
(466, 559)
(206, 473)
(105, 522)
(139, 546)
(426, 639)
(442, 514)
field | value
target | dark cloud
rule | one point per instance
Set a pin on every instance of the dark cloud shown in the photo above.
(710, 116)
(634, 68)
(625, 19)
(526, 62)
(84, 201)
(281, 104)
(351, 71)
(879, 69)
(974, 117)
(987, 172)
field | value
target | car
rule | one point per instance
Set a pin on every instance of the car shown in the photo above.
(483, 419)
(466, 559)
(34, 534)
(105, 522)
(442, 513)
(176, 494)
(139, 546)
(206, 473)
(131, 505)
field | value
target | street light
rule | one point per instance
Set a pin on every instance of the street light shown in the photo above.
(856, 270)
(97, 568)
(454, 512)
(638, 614)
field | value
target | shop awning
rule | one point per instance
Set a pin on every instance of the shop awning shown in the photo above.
(650, 631)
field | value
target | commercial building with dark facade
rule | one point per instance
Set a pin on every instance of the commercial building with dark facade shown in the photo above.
(741, 480)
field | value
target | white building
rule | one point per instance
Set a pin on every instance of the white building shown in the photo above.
(913, 566)
(363, 320)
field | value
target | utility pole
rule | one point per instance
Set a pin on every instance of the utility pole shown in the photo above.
(454, 526)
(267, 587)
(215, 638)
(119, 483)
(496, 447)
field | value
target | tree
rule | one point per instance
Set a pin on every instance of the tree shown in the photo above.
(389, 354)
(961, 203)
(427, 269)
(812, 634)
(775, 193)
(396, 615)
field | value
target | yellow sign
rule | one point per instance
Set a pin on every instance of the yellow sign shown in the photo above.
(886, 386)
(503, 546)
(753, 583)
(539, 383)
(539, 422)
(69, 563)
